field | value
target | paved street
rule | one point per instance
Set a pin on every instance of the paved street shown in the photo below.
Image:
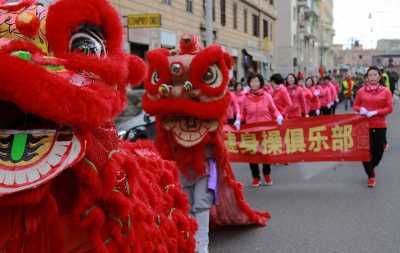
(323, 208)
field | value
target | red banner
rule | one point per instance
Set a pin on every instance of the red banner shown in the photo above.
(326, 138)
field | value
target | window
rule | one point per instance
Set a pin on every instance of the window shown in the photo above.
(272, 31)
(245, 20)
(189, 6)
(169, 2)
(266, 28)
(213, 9)
(256, 25)
(223, 9)
(234, 15)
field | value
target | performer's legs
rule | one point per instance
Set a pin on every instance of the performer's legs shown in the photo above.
(255, 172)
(379, 143)
(266, 169)
(377, 146)
(346, 102)
(203, 221)
(368, 166)
(203, 199)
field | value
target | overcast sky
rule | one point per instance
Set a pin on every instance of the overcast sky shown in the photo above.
(352, 21)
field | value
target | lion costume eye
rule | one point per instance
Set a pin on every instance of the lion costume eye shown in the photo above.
(155, 78)
(213, 77)
(88, 40)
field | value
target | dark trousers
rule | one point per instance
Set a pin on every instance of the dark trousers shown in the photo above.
(347, 101)
(325, 110)
(333, 109)
(312, 113)
(255, 172)
(377, 137)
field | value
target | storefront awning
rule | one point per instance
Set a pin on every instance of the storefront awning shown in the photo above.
(257, 55)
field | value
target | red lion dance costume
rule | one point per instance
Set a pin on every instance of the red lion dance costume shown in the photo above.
(67, 184)
(187, 91)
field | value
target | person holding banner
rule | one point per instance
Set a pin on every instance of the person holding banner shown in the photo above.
(374, 101)
(314, 103)
(258, 106)
(233, 115)
(334, 94)
(280, 94)
(298, 100)
(326, 97)
(307, 96)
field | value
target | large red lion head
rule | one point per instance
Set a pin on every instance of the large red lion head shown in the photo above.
(187, 89)
(62, 72)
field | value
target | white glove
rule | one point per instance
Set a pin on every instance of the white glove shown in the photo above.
(371, 114)
(317, 93)
(318, 112)
(237, 124)
(337, 100)
(363, 111)
(329, 105)
(279, 120)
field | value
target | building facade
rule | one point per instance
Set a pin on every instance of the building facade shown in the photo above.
(354, 60)
(305, 36)
(308, 39)
(287, 32)
(246, 28)
(326, 34)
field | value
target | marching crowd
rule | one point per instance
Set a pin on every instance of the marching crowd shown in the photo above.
(296, 97)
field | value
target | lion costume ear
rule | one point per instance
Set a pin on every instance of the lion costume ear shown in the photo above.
(66, 16)
(137, 70)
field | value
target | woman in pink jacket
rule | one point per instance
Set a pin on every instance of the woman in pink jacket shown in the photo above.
(314, 102)
(280, 94)
(240, 94)
(297, 96)
(258, 106)
(374, 101)
(326, 97)
(233, 115)
(307, 96)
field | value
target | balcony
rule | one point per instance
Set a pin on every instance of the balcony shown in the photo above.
(307, 31)
(306, 4)
(313, 11)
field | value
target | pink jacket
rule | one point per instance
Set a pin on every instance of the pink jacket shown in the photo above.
(268, 88)
(315, 102)
(298, 103)
(233, 108)
(307, 96)
(239, 97)
(325, 95)
(259, 107)
(334, 92)
(375, 98)
(282, 99)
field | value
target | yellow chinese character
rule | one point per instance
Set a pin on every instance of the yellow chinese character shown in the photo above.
(294, 140)
(230, 143)
(271, 143)
(317, 141)
(248, 142)
(342, 139)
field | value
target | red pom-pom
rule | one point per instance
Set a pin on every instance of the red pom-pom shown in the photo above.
(28, 24)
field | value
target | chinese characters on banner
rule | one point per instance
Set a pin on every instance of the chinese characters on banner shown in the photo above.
(328, 138)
